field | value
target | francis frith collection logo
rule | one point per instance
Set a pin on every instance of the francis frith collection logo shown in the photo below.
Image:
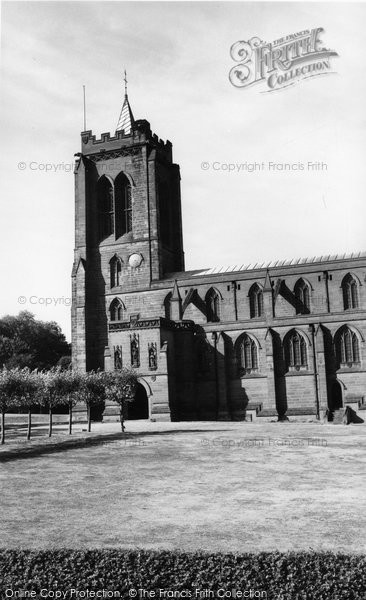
(281, 63)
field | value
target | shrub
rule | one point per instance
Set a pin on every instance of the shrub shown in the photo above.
(284, 576)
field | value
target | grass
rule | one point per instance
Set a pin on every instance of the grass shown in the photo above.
(230, 487)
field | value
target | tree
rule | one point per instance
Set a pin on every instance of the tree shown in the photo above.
(92, 391)
(22, 387)
(121, 388)
(26, 342)
(53, 392)
(6, 392)
(70, 385)
(25, 386)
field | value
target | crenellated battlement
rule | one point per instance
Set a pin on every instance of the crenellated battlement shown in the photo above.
(140, 134)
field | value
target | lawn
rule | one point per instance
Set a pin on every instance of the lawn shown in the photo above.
(241, 487)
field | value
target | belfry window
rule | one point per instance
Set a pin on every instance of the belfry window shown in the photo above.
(213, 306)
(116, 310)
(302, 295)
(247, 355)
(255, 301)
(105, 207)
(295, 351)
(347, 347)
(350, 292)
(123, 196)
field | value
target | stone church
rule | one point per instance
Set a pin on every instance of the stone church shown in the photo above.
(256, 342)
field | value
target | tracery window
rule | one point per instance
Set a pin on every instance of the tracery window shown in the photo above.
(105, 207)
(247, 355)
(347, 347)
(350, 292)
(123, 196)
(213, 306)
(302, 295)
(295, 351)
(116, 310)
(115, 271)
(256, 301)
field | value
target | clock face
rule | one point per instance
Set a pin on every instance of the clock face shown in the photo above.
(135, 260)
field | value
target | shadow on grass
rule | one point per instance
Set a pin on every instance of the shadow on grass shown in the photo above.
(15, 426)
(53, 447)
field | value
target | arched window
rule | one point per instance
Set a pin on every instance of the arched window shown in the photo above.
(213, 306)
(295, 351)
(123, 196)
(247, 355)
(167, 307)
(302, 295)
(116, 310)
(105, 207)
(115, 271)
(256, 301)
(347, 347)
(350, 292)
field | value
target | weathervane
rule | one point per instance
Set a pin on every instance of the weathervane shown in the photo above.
(125, 80)
(125, 120)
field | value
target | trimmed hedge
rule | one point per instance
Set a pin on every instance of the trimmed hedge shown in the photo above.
(280, 576)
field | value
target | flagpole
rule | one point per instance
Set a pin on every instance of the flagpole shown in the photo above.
(84, 108)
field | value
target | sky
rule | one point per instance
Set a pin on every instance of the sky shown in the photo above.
(177, 56)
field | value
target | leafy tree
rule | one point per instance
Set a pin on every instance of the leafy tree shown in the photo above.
(26, 384)
(70, 386)
(27, 342)
(92, 391)
(121, 388)
(19, 388)
(6, 348)
(53, 393)
(6, 392)
(22, 386)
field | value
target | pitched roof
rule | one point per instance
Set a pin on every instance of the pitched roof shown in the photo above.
(293, 262)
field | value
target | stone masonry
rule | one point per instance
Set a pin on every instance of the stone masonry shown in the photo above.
(276, 341)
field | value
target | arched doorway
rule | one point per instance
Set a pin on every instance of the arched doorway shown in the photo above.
(139, 408)
(336, 396)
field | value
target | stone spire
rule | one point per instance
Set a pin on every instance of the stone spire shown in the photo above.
(126, 120)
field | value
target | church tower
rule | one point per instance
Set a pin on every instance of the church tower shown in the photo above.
(128, 231)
